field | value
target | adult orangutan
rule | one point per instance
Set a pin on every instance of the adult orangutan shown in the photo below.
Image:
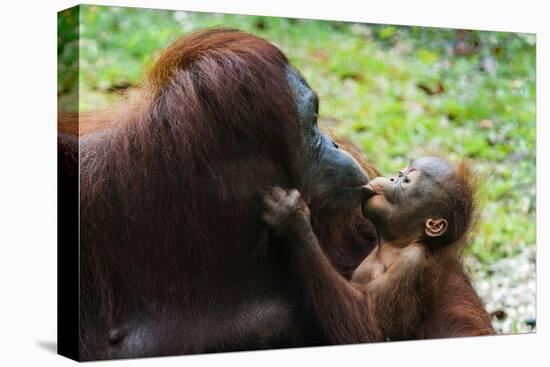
(174, 258)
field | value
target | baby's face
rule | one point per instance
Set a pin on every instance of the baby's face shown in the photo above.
(391, 194)
(402, 201)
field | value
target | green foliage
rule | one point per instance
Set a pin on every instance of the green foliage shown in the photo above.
(67, 50)
(397, 92)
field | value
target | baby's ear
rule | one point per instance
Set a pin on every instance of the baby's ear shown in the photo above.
(436, 227)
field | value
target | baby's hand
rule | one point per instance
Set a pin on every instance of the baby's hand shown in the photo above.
(283, 207)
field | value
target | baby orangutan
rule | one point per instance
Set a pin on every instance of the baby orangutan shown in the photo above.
(421, 216)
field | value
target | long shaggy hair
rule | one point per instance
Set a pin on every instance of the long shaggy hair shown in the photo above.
(170, 187)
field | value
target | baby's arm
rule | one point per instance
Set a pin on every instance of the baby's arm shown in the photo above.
(342, 310)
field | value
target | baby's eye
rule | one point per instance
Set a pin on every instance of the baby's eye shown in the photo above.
(406, 180)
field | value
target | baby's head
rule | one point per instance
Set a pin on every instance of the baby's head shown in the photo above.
(431, 201)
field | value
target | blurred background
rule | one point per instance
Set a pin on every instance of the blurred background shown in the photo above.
(397, 92)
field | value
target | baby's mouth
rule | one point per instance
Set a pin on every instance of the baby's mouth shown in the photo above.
(367, 191)
(370, 191)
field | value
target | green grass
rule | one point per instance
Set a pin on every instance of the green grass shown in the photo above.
(376, 84)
